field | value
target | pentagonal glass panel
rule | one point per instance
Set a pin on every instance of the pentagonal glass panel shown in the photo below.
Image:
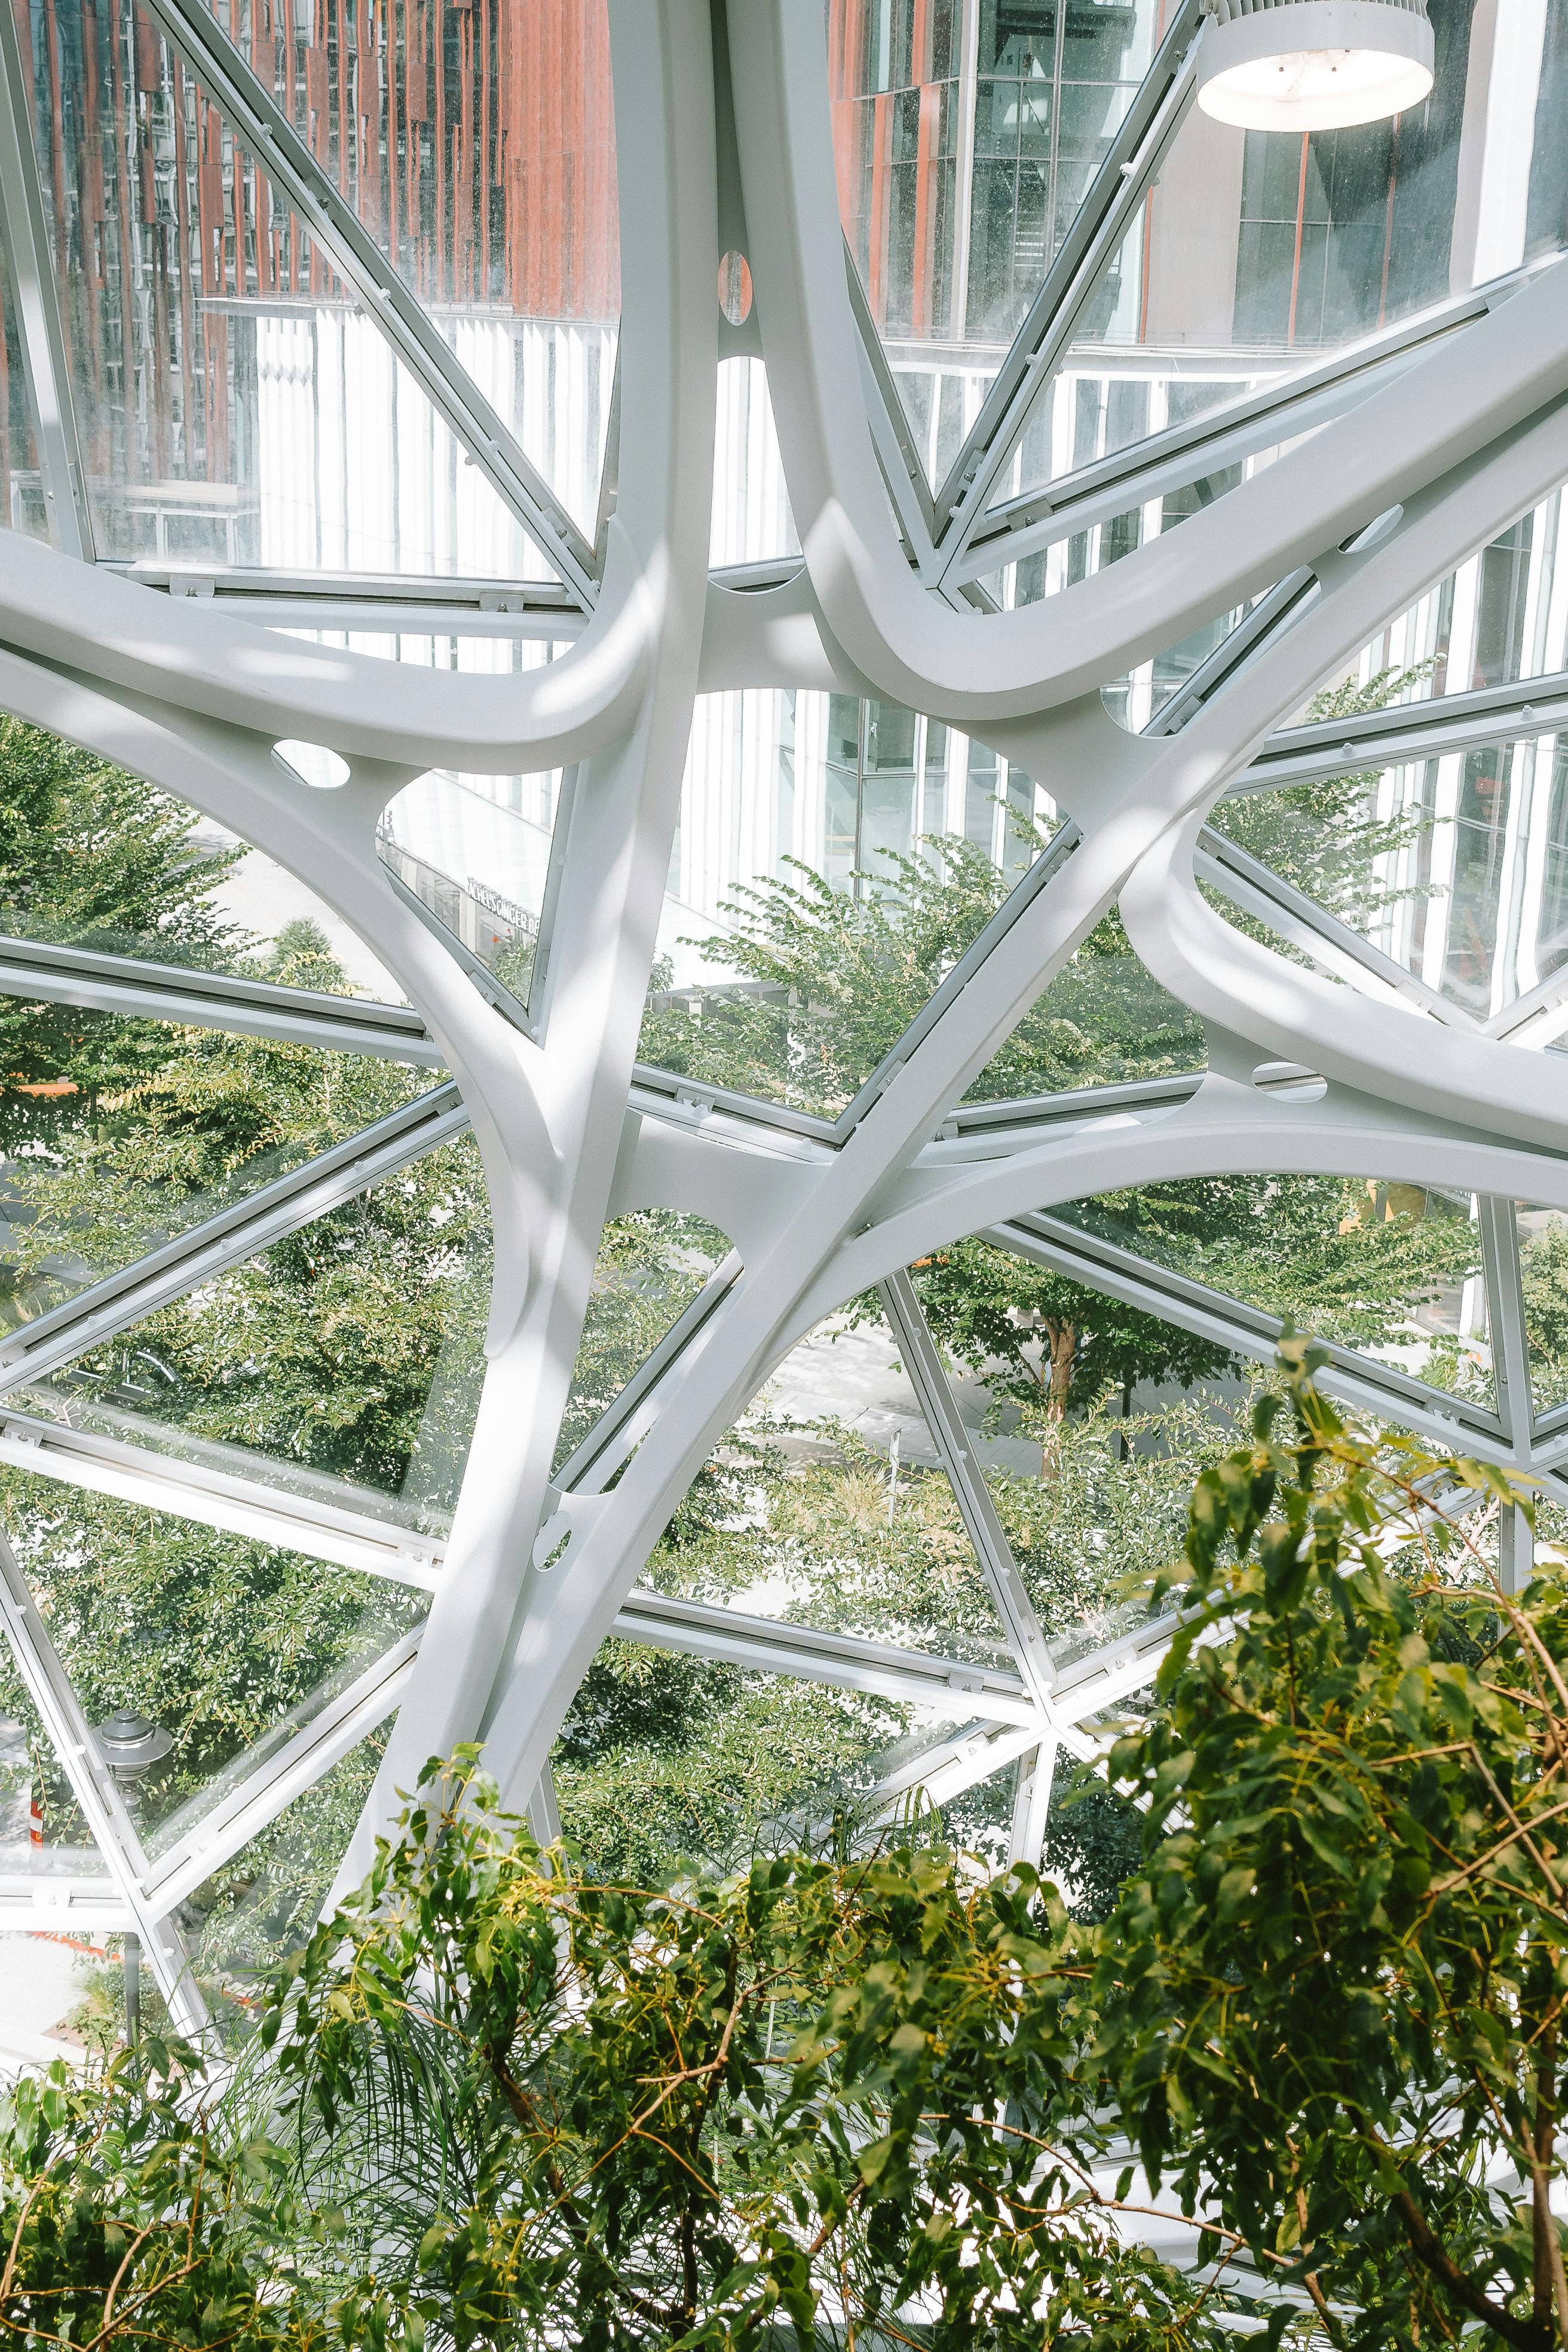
(342, 1364)
(121, 1134)
(1260, 254)
(828, 1505)
(1388, 1269)
(834, 859)
(751, 517)
(235, 404)
(475, 852)
(648, 1268)
(960, 174)
(662, 1755)
(481, 155)
(229, 1647)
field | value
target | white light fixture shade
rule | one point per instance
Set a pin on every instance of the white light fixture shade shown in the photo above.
(1314, 65)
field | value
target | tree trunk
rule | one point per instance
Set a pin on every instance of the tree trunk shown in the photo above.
(1061, 1343)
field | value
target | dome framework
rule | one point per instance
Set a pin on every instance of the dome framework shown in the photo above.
(1401, 454)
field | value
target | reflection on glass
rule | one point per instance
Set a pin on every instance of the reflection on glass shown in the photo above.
(478, 862)
(828, 1505)
(1457, 868)
(246, 1919)
(1544, 1268)
(93, 857)
(961, 166)
(1391, 1270)
(343, 1363)
(663, 1756)
(834, 858)
(22, 497)
(43, 1833)
(235, 404)
(752, 518)
(228, 1645)
(648, 1268)
(480, 153)
(119, 1134)
(1105, 1019)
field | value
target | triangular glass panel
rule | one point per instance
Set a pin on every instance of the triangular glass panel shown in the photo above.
(1104, 1020)
(1256, 256)
(648, 1268)
(1438, 864)
(828, 1505)
(1543, 1272)
(343, 1365)
(664, 1756)
(121, 1134)
(232, 1648)
(22, 487)
(1091, 1444)
(474, 851)
(45, 1841)
(479, 153)
(95, 858)
(948, 270)
(242, 1924)
(751, 517)
(235, 406)
(834, 858)
(1389, 1270)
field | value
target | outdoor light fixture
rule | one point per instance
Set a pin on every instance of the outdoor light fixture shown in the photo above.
(131, 1744)
(1312, 65)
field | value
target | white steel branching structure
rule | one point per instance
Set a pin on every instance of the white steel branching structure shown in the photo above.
(1394, 461)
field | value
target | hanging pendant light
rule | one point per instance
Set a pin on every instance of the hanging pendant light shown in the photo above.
(1312, 65)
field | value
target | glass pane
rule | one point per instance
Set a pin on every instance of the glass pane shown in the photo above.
(1544, 1267)
(480, 153)
(91, 856)
(475, 850)
(663, 1756)
(243, 1922)
(1102, 1021)
(950, 269)
(43, 1833)
(1259, 253)
(834, 859)
(752, 518)
(235, 404)
(119, 1134)
(1498, 618)
(1457, 868)
(828, 1506)
(1098, 1420)
(647, 1270)
(22, 506)
(228, 1646)
(343, 1363)
(1390, 1270)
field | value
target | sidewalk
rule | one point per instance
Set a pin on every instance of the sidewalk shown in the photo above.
(39, 1986)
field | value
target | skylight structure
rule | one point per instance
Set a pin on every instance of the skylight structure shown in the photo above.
(855, 638)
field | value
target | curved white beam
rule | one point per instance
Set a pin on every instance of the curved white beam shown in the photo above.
(971, 668)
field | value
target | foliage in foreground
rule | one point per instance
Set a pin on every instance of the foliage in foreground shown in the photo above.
(891, 2098)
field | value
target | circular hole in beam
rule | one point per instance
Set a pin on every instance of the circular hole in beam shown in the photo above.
(312, 764)
(735, 288)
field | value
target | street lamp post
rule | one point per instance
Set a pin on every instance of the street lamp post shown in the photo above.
(131, 1743)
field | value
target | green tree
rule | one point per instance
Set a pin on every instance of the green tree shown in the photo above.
(1331, 2001)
